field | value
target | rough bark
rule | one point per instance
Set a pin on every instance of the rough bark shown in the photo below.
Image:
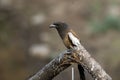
(67, 58)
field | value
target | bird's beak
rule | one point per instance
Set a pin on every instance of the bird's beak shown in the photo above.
(52, 26)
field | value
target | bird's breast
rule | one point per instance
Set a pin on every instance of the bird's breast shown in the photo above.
(67, 42)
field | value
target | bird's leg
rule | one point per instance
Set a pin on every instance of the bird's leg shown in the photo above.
(76, 48)
(69, 50)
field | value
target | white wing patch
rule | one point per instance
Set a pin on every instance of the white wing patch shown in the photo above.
(74, 40)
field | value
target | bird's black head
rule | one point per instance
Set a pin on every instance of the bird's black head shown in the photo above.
(60, 26)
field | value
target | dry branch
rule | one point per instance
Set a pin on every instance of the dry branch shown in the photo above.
(67, 58)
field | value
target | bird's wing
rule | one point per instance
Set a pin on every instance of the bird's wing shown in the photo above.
(74, 39)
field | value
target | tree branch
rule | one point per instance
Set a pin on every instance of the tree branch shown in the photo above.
(67, 58)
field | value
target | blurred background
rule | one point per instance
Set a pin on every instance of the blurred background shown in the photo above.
(27, 44)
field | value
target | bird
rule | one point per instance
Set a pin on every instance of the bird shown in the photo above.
(70, 40)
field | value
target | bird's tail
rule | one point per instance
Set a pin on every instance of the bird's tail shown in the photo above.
(81, 72)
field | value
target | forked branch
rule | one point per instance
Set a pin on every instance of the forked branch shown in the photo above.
(65, 59)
